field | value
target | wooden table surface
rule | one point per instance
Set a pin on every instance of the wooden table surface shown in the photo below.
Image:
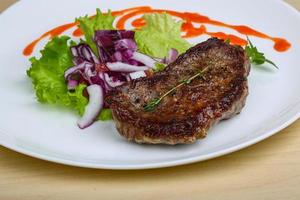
(268, 170)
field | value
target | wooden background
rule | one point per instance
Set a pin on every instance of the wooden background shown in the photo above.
(269, 170)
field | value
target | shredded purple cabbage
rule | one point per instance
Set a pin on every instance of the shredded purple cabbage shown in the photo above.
(117, 58)
(111, 41)
(83, 52)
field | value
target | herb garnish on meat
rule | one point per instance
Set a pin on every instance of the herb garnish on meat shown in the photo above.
(152, 104)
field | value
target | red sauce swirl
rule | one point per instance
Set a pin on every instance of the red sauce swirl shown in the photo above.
(189, 28)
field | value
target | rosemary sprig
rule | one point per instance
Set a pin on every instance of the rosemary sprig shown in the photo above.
(152, 104)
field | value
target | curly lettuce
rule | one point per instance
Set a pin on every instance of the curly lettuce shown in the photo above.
(159, 35)
(105, 115)
(47, 75)
(79, 101)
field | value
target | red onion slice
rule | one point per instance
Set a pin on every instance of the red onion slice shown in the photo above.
(118, 56)
(94, 106)
(125, 44)
(111, 82)
(122, 67)
(172, 56)
(106, 86)
(76, 68)
(128, 78)
(83, 52)
(136, 75)
(74, 51)
(146, 60)
(72, 84)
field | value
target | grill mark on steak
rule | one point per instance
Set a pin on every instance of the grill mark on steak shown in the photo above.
(188, 114)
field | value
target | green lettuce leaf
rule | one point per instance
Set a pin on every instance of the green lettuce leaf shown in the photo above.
(90, 24)
(47, 74)
(105, 115)
(159, 35)
(78, 100)
(159, 67)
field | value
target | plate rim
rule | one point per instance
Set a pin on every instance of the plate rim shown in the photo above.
(157, 165)
(160, 164)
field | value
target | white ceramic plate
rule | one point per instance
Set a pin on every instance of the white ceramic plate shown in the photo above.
(51, 134)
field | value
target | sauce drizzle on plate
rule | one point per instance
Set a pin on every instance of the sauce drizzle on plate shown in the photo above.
(193, 26)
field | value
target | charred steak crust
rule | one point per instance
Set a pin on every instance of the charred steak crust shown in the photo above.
(186, 115)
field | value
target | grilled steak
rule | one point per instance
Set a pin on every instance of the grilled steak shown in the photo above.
(187, 114)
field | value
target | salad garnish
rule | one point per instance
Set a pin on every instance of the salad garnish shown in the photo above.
(160, 34)
(77, 74)
(88, 25)
(47, 74)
